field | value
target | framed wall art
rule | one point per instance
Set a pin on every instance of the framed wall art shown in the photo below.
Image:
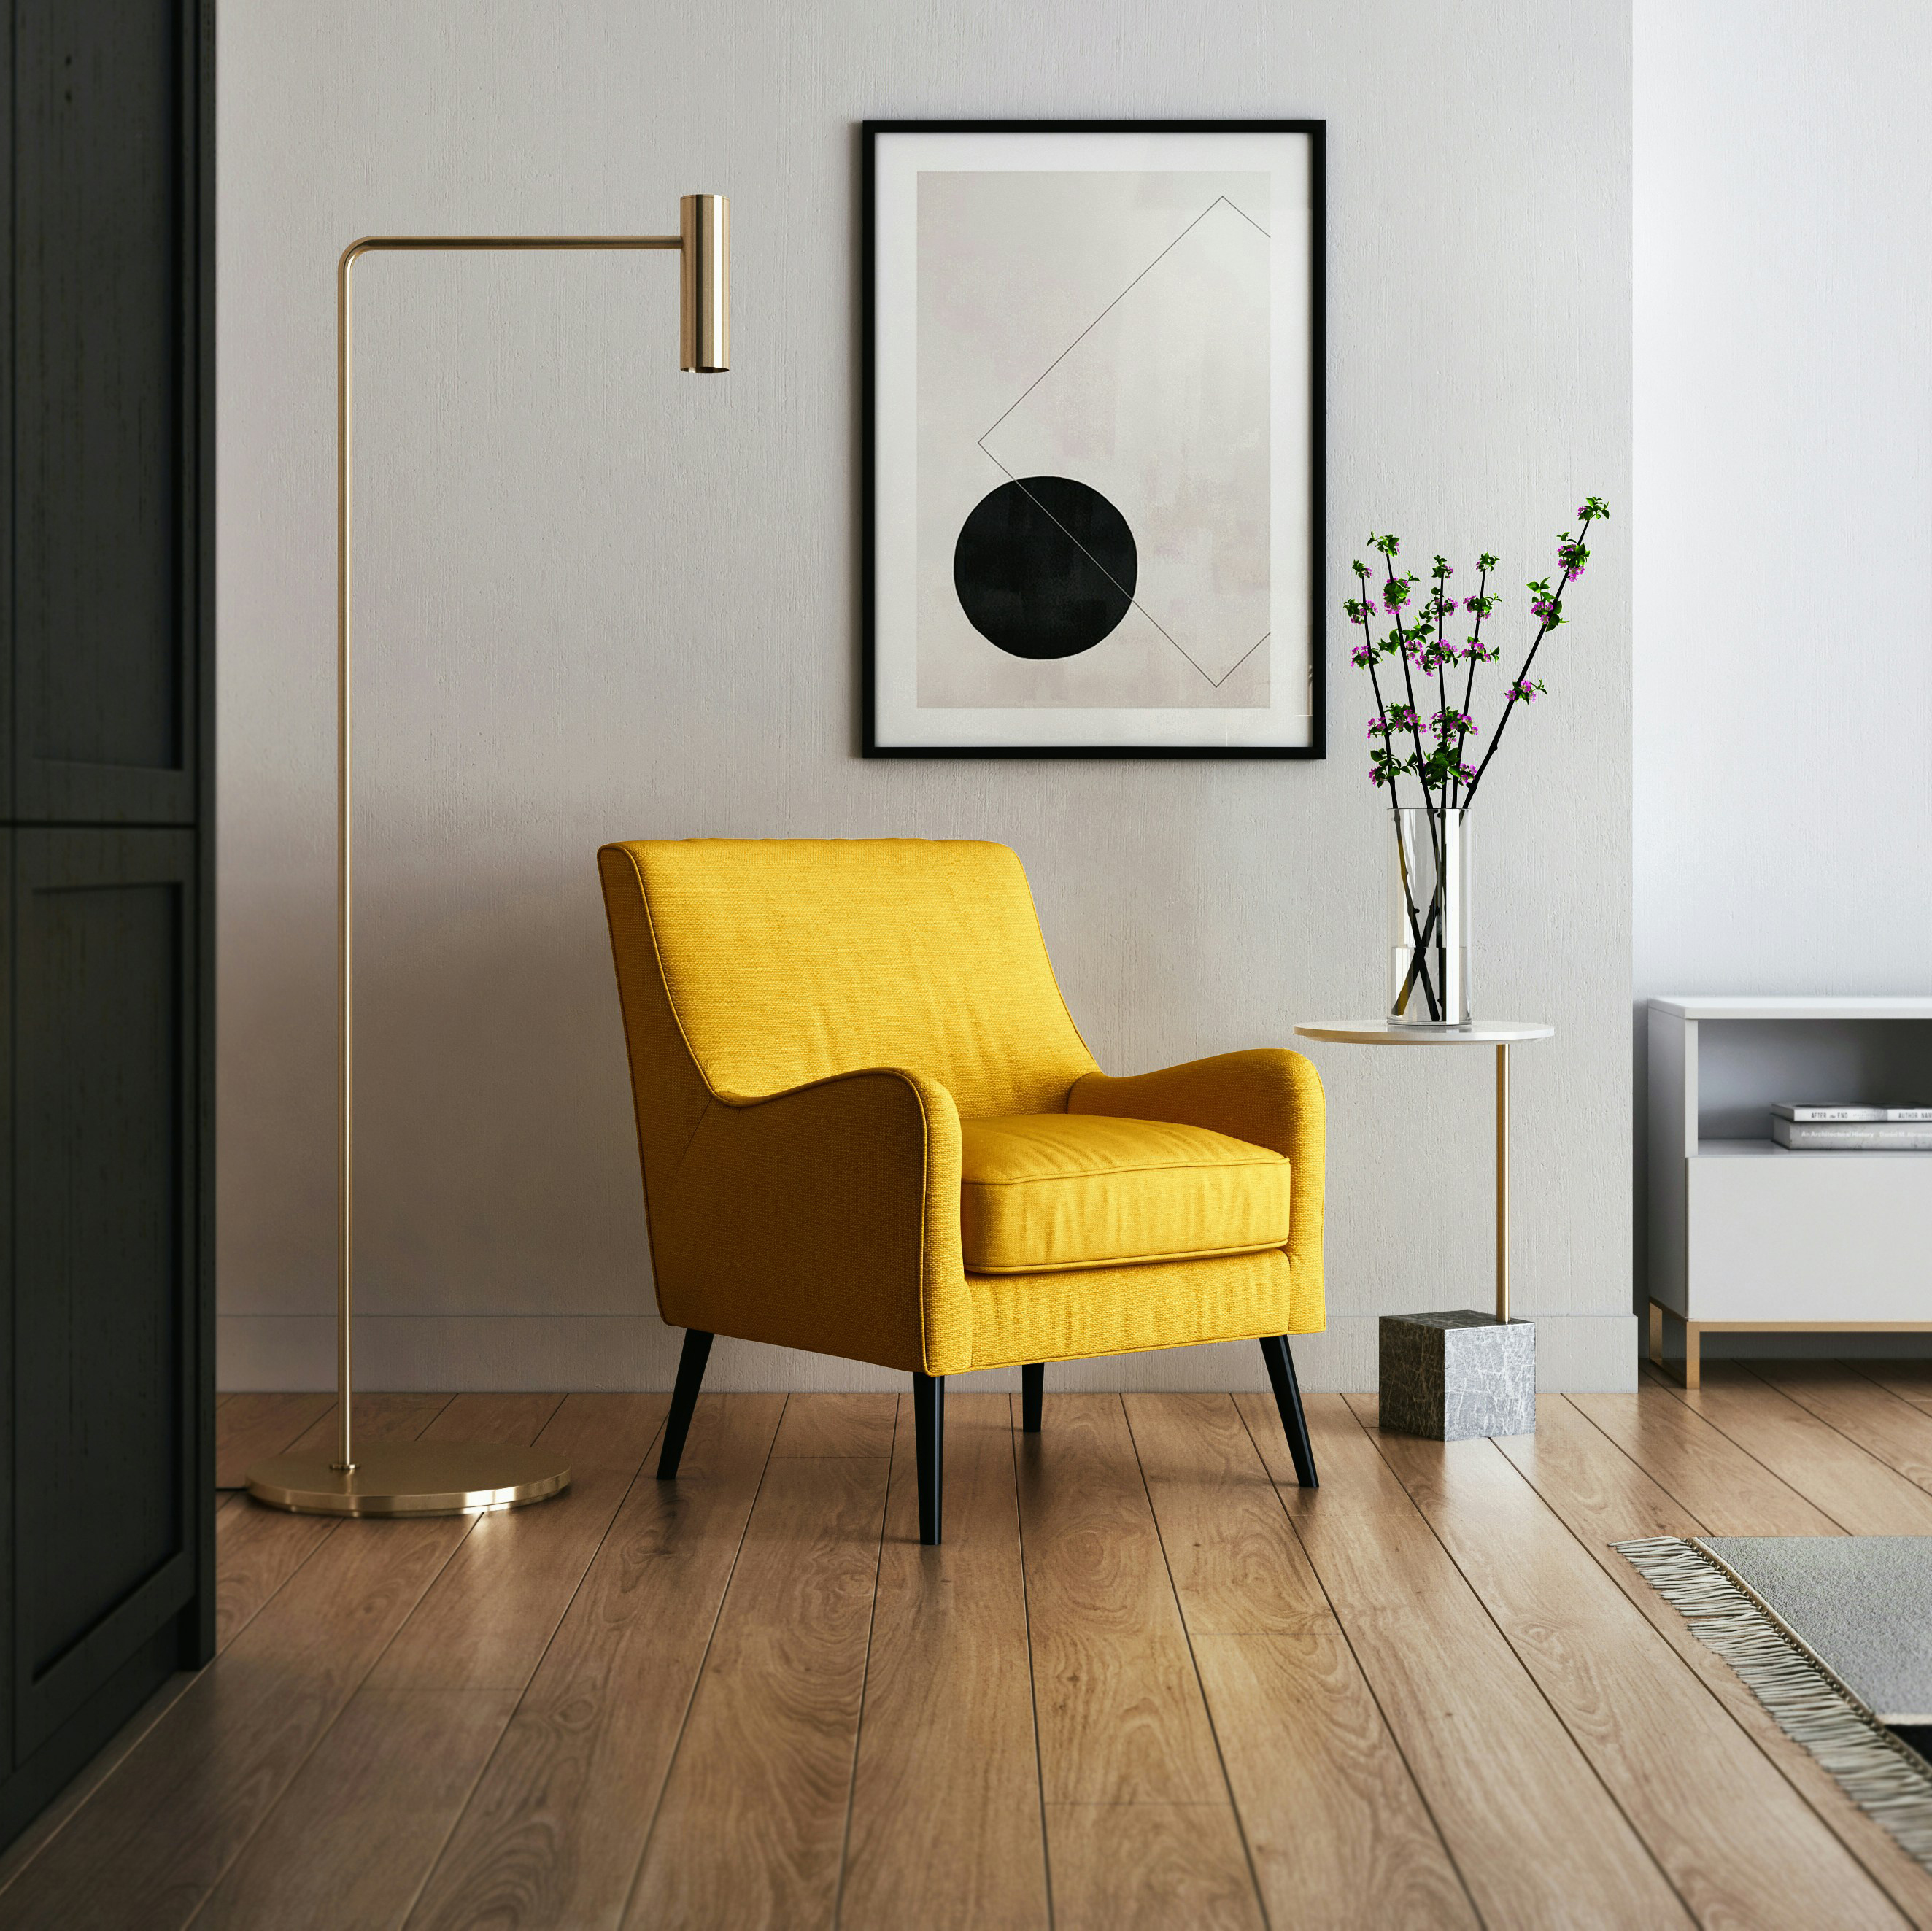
(1093, 439)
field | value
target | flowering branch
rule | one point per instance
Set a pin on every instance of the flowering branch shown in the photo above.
(1446, 779)
(1546, 605)
(1420, 640)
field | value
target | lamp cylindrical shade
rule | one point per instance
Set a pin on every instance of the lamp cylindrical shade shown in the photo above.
(705, 282)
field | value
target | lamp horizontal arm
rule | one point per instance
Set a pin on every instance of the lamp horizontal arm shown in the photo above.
(370, 244)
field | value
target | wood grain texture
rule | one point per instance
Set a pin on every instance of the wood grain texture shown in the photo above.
(1476, 1731)
(486, 1621)
(378, 1418)
(1909, 1380)
(1882, 1423)
(346, 1848)
(1603, 1500)
(1436, 1690)
(1739, 1844)
(1601, 1493)
(1856, 1489)
(752, 1827)
(1336, 1828)
(1122, 1716)
(248, 1429)
(552, 1834)
(1162, 1866)
(837, 1425)
(1729, 1491)
(157, 1837)
(258, 1549)
(518, 1418)
(1120, 1709)
(946, 1756)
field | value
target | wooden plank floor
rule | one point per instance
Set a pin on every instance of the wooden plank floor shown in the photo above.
(1147, 1681)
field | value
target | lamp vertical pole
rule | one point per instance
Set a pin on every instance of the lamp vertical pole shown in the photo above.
(345, 864)
(424, 1478)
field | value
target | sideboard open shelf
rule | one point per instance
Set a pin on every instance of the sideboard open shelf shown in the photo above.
(1748, 1235)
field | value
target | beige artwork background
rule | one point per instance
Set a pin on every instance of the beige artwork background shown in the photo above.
(1112, 327)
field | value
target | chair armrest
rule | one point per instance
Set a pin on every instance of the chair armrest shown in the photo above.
(825, 1217)
(1269, 1097)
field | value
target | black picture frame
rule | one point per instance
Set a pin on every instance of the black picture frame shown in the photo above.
(1315, 132)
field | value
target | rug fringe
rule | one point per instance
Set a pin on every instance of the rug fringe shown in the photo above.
(1884, 1776)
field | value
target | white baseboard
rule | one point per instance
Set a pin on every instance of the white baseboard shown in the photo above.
(499, 1352)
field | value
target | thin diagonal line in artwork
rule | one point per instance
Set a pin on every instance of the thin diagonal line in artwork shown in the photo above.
(1110, 308)
(1248, 218)
(1243, 658)
(1213, 683)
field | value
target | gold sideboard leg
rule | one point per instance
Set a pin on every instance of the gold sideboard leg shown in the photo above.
(1665, 1324)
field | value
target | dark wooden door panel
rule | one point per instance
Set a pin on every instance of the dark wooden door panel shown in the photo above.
(105, 411)
(105, 938)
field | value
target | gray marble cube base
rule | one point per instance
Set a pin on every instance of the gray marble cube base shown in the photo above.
(1451, 1376)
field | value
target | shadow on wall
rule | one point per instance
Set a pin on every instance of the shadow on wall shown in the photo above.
(496, 1158)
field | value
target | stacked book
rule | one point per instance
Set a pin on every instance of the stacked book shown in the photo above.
(1859, 1129)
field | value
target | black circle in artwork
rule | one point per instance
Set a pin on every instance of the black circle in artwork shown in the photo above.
(1045, 567)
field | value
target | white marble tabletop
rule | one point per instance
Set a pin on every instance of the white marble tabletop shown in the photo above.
(1380, 1033)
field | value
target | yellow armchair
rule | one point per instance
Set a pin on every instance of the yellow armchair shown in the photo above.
(869, 1127)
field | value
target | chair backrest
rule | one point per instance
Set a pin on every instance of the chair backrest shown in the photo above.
(787, 960)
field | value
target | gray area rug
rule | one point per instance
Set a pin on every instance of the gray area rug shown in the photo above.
(1833, 1635)
(1862, 1605)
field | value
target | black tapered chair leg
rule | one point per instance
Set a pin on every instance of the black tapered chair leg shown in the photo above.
(1033, 1396)
(683, 1400)
(1288, 1398)
(928, 1421)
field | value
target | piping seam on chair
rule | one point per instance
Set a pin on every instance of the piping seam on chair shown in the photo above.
(644, 1164)
(924, 1206)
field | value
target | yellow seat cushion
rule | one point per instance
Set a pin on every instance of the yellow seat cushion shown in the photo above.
(1043, 1191)
(1075, 1313)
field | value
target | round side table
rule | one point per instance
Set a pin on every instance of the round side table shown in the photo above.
(1455, 1375)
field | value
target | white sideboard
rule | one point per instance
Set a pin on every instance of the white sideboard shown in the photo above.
(1747, 1234)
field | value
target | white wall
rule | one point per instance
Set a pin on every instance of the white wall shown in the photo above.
(1783, 447)
(599, 599)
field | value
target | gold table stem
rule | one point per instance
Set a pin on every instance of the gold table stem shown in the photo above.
(1502, 1181)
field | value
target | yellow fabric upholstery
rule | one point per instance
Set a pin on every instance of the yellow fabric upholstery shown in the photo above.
(1041, 1191)
(789, 960)
(1268, 1096)
(1065, 1316)
(818, 1029)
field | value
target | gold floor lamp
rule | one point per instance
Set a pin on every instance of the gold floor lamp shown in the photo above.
(424, 1478)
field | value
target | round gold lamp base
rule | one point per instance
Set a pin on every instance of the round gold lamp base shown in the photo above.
(411, 1478)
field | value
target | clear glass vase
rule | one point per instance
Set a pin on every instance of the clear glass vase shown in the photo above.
(1428, 918)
